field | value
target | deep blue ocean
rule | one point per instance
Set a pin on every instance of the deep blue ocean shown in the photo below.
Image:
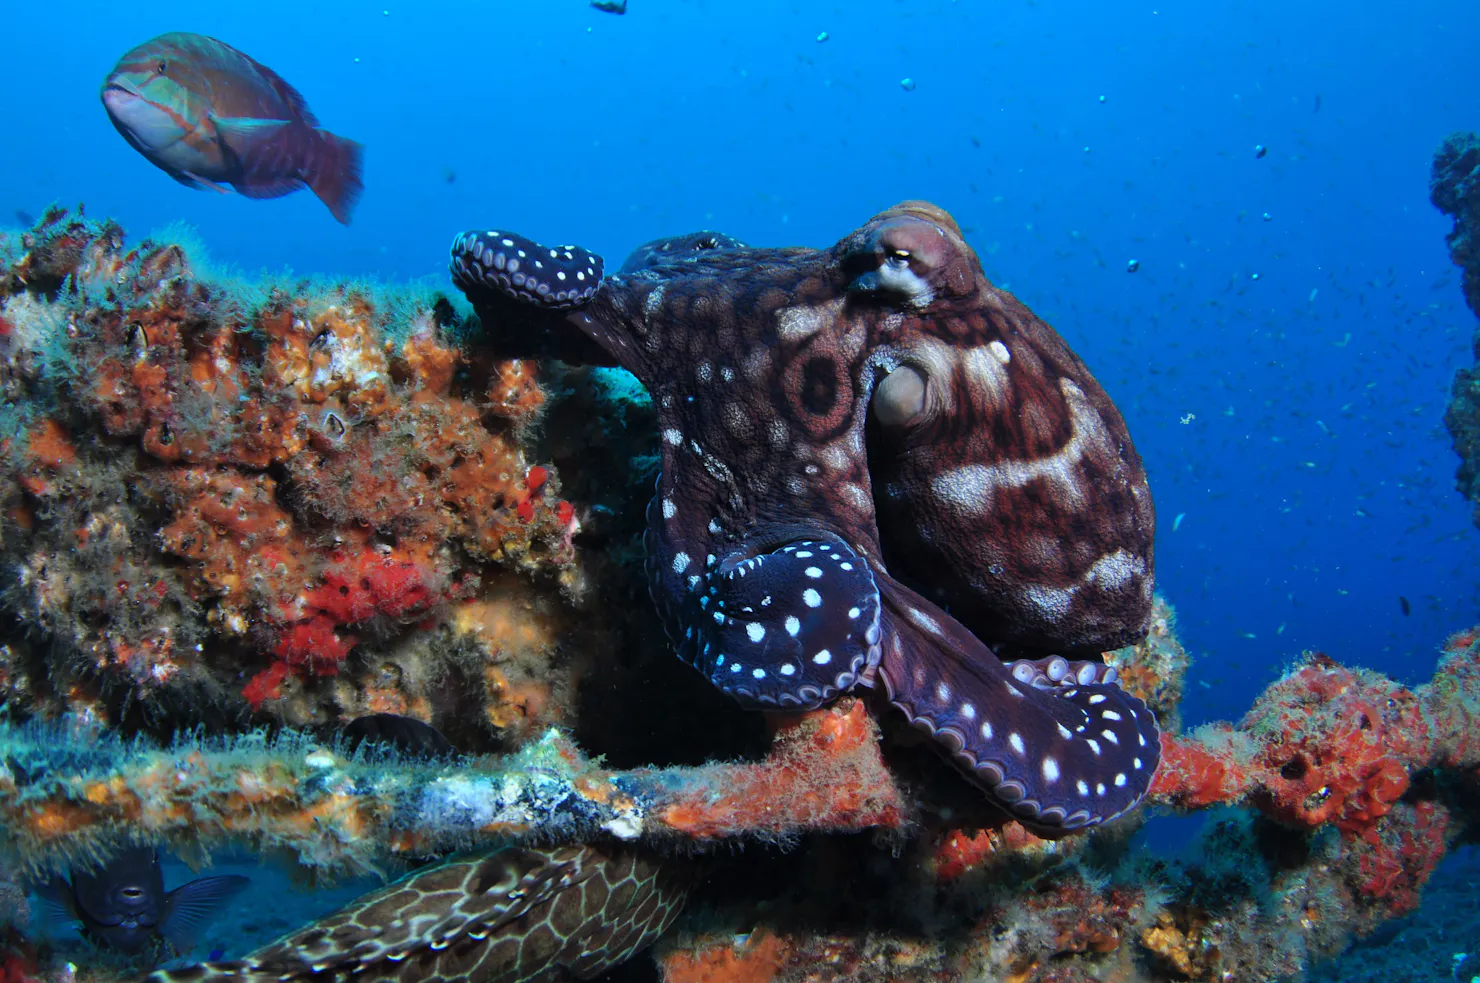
(1283, 353)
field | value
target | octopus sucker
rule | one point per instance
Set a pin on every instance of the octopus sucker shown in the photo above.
(1025, 744)
(848, 430)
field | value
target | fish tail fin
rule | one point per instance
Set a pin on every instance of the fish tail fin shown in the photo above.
(333, 172)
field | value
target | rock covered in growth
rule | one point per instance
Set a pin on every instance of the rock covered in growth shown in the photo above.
(1454, 188)
(224, 498)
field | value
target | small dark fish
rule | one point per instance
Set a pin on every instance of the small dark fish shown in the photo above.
(1260, 150)
(124, 904)
(408, 735)
(1403, 603)
(24, 218)
(1318, 103)
(209, 115)
(610, 6)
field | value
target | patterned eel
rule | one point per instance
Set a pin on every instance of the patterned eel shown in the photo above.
(872, 460)
(514, 915)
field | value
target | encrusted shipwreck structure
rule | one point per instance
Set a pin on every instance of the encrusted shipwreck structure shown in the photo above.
(1454, 188)
(236, 519)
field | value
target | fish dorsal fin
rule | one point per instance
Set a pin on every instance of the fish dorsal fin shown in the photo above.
(287, 93)
(280, 85)
(190, 907)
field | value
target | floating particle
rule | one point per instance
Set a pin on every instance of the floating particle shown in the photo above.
(1253, 276)
(822, 37)
(1260, 150)
(1133, 266)
(1102, 98)
(1177, 522)
(907, 84)
(1267, 217)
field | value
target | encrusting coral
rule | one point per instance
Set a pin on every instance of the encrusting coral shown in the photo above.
(246, 499)
(240, 518)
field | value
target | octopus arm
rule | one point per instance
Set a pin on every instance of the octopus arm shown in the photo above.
(1060, 759)
(529, 296)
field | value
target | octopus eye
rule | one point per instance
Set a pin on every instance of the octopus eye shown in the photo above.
(900, 398)
(897, 274)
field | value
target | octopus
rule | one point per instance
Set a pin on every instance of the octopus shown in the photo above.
(509, 915)
(878, 470)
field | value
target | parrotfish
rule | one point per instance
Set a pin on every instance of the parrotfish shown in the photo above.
(124, 904)
(209, 116)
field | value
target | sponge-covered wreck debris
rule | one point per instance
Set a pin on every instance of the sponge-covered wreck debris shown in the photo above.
(239, 517)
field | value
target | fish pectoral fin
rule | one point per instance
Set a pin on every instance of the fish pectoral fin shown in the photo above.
(57, 895)
(199, 183)
(191, 907)
(240, 131)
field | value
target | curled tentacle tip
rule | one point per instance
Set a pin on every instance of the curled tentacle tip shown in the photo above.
(555, 277)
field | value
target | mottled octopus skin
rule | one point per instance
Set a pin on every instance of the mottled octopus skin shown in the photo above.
(839, 423)
(506, 916)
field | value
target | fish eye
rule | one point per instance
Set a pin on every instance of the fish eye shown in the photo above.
(162, 66)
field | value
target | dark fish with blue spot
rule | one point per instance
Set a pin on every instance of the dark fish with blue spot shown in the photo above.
(210, 117)
(413, 738)
(124, 904)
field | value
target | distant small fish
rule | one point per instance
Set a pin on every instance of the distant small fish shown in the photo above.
(1403, 603)
(24, 218)
(209, 115)
(1260, 150)
(125, 906)
(610, 6)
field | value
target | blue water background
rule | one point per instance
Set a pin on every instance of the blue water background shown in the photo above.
(1293, 422)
